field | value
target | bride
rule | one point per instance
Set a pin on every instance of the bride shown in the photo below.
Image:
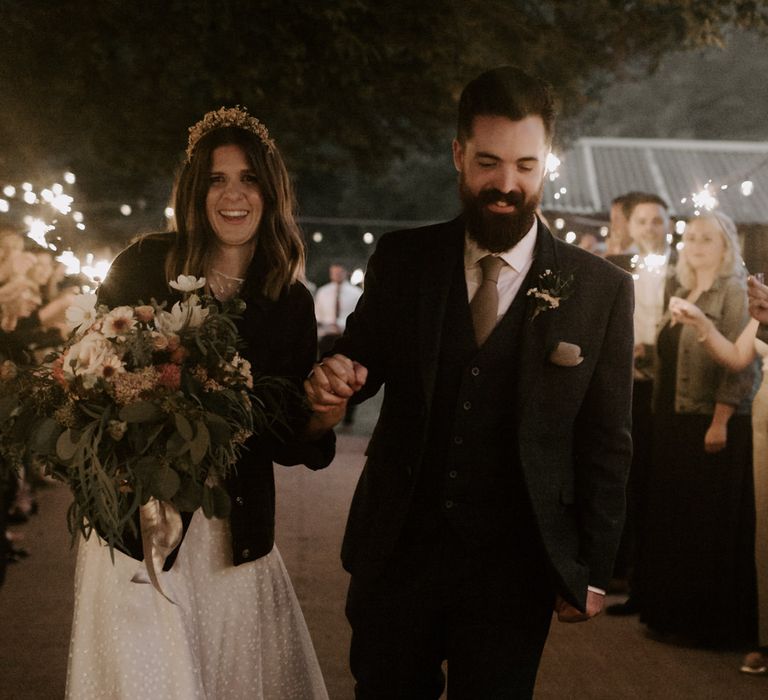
(234, 628)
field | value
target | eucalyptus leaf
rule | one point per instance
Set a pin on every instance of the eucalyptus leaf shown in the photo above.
(183, 426)
(67, 445)
(176, 445)
(145, 467)
(141, 412)
(199, 445)
(189, 497)
(218, 428)
(43, 439)
(165, 484)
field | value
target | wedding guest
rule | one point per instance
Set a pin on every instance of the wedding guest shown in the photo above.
(648, 226)
(619, 246)
(736, 356)
(494, 485)
(695, 574)
(236, 629)
(334, 302)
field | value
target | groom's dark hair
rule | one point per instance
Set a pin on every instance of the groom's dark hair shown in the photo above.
(506, 91)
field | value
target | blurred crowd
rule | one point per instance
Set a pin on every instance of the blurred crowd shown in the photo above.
(691, 563)
(34, 295)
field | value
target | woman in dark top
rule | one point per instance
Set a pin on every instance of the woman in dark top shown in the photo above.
(695, 577)
(236, 629)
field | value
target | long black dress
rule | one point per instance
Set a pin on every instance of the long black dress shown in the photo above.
(696, 574)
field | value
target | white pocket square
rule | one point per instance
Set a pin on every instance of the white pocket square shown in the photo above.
(566, 355)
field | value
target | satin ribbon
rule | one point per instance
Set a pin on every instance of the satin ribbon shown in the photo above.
(161, 532)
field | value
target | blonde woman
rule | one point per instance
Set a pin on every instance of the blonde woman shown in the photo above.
(736, 356)
(696, 569)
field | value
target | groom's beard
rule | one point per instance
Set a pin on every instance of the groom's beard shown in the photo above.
(492, 231)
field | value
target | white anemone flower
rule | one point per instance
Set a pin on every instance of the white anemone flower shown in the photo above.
(187, 283)
(186, 314)
(87, 359)
(82, 314)
(118, 322)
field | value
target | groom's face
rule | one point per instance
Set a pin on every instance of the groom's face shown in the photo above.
(501, 175)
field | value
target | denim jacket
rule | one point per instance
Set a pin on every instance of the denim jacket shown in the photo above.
(701, 382)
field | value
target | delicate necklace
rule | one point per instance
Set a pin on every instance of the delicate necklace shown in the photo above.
(224, 286)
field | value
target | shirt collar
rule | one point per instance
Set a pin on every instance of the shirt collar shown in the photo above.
(516, 257)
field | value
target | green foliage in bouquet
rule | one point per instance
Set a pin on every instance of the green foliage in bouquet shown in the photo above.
(142, 402)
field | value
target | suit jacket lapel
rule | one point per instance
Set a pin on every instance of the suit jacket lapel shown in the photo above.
(435, 278)
(538, 332)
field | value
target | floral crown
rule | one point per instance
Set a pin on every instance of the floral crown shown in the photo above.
(228, 116)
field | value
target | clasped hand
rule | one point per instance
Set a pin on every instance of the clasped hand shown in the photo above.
(331, 384)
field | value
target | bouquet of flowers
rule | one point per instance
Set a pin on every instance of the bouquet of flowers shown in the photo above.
(144, 405)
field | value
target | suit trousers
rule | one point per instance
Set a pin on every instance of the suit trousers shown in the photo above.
(486, 611)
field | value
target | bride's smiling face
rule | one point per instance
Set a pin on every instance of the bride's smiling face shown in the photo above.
(234, 203)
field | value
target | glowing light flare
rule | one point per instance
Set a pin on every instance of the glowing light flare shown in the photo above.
(62, 203)
(317, 237)
(747, 188)
(26, 186)
(37, 230)
(97, 271)
(357, 276)
(126, 210)
(654, 262)
(80, 226)
(604, 231)
(680, 227)
(69, 178)
(70, 262)
(77, 216)
(559, 224)
(57, 189)
(367, 238)
(551, 165)
(9, 191)
(169, 213)
(705, 198)
(570, 237)
(4, 206)
(30, 197)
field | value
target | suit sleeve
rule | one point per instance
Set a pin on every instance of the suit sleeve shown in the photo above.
(368, 329)
(603, 443)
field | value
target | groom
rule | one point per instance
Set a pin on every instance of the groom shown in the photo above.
(493, 490)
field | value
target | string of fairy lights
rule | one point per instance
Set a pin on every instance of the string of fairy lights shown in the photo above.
(706, 198)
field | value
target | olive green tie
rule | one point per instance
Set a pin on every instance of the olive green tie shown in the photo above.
(485, 303)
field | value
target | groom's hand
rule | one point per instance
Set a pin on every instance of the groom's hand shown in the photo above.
(567, 613)
(332, 382)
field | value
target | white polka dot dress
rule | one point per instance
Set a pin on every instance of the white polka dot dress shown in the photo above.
(236, 632)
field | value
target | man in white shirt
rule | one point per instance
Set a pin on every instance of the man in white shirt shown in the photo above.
(333, 303)
(494, 484)
(648, 226)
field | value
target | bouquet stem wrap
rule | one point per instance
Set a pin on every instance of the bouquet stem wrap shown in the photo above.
(161, 532)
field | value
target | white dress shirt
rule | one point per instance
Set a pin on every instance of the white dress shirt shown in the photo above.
(325, 304)
(518, 261)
